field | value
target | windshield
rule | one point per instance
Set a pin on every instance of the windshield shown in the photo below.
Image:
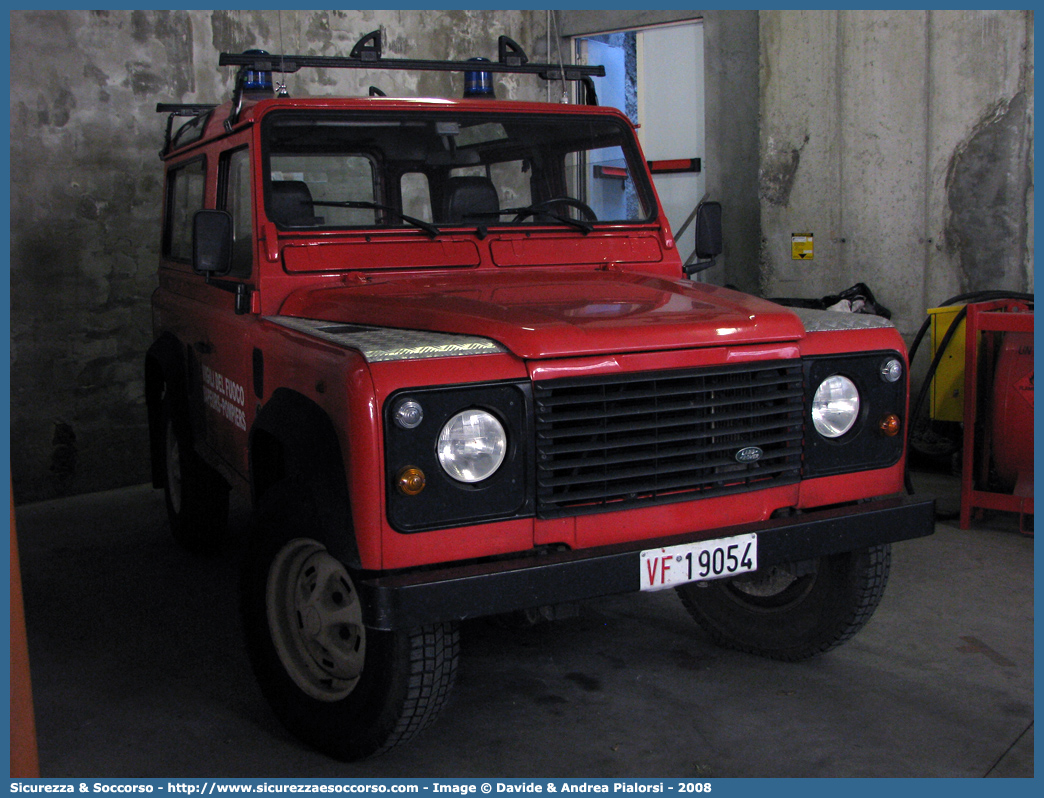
(404, 169)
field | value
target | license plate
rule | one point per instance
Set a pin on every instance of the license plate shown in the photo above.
(698, 562)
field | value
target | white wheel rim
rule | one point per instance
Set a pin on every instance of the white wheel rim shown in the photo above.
(771, 590)
(771, 583)
(315, 620)
(173, 469)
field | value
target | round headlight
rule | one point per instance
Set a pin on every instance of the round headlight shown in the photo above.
(835, 407)
(472, 446)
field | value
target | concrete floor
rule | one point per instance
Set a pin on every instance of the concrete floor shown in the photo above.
(138, 671)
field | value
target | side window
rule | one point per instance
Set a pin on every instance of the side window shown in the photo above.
(301, 182)
(416, 195)
(185, 186)
(601, 178)
(237, 201)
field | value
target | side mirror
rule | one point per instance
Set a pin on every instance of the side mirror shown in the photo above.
(212, 242)
(708, 238)
(708, 230)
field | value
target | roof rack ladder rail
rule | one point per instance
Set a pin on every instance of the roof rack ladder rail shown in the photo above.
(368, 48)
(178, 109)
(368, 54)
(509, 52)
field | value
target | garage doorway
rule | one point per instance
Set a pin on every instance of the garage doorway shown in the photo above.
(655, 76)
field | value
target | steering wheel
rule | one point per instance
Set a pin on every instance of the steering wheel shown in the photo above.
(534, 210)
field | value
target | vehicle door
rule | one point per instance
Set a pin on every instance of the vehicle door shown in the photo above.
(230, 369)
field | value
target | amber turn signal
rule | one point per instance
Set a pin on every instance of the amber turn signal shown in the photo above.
(411, 480)
(889, 425)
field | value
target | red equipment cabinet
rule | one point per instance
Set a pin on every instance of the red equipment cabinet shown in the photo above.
(998, 375)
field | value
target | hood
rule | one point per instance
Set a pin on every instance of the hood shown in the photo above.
(545, 314)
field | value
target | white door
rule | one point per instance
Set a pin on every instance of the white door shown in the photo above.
(668, 83)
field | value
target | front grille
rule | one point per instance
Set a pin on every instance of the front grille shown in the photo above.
(633, 440)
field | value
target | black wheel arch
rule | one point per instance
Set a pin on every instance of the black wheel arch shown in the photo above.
(164, 378)
(293, 438)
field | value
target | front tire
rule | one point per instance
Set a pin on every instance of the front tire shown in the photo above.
(792, 613)
(348, 691)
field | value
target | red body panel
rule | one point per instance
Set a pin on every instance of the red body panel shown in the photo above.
(403, 550)
(403, 254)
(557, 313)
(595, 250)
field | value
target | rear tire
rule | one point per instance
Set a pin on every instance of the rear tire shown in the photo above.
(788, 613)
(348, 691)
(196, 495)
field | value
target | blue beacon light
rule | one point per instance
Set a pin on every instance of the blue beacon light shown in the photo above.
(255, 80)
(479, 85)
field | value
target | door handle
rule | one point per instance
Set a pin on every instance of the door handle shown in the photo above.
(203, 347)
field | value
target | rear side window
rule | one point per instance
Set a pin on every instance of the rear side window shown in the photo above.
(416, 195)
(185, 185)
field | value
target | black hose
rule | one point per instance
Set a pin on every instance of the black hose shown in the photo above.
(925, 386)
(943, 344)
(975, 296)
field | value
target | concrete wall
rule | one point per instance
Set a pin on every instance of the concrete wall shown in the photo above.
(903, 141)
(86, 195)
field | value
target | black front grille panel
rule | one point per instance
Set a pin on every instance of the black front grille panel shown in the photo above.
(633, 440)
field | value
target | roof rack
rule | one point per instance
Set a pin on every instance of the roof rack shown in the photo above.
(367, 54)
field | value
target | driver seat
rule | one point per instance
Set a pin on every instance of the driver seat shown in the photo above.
(292, 204)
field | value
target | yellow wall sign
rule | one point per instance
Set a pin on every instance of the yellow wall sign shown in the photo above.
(801, 246)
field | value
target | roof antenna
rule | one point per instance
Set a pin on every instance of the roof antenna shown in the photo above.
(561, 61)
(281, 88)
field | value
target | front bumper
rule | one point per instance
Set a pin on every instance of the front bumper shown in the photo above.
(475, 590)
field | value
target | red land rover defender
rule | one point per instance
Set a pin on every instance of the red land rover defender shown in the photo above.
(449, 348)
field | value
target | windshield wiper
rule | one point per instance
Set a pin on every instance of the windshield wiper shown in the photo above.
(427, 227)
(540, 209)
